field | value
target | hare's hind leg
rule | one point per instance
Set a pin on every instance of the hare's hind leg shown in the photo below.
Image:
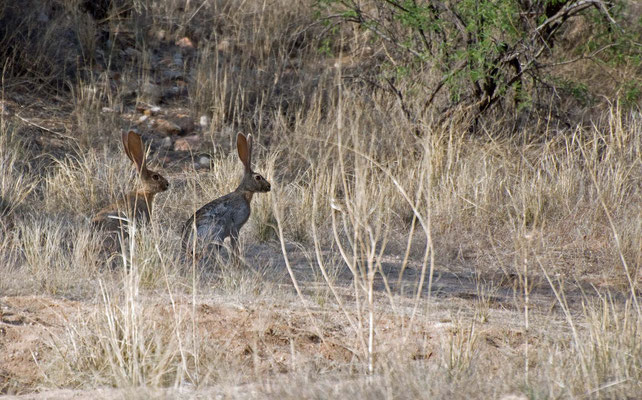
(236, 258)
(234, 242)
(190, 249)
(235, 254)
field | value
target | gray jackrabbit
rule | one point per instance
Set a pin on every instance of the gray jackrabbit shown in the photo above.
(224, 217)
(136, 204)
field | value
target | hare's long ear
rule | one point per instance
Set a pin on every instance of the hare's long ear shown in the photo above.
(250, 143)
(244, 147)
(135, 150)
(125, 137)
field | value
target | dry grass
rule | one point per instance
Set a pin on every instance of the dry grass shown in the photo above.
(381, 265)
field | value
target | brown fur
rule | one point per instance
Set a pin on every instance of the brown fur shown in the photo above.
(137, 204)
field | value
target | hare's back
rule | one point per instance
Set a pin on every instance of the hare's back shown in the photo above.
(115, 216)
(220, 217)
(108, 219)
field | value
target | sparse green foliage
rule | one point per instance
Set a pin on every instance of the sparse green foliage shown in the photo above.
(491, 53)
(632, 93)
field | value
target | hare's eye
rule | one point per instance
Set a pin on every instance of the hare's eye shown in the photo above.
(155, 177)
(257, 177)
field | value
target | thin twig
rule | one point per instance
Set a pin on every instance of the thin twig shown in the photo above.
(457, 68)
(576, 59)
(42, 127)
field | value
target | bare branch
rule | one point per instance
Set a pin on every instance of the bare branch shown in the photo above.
(458, 67)
(575, 8)
(576, 59)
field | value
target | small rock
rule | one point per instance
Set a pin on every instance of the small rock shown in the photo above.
(166, 142)
(174, 91)
(185, 43)
(186, 123)
(133, 53)
(148, 110)
(178, 59)
(142, 119)
(151, 92)
(223, 45)
(107, 110)
(204, 122)
(161, 34)
(166, 127)
(169, 75)
(42, 17)
(204, 161)
(187, 143)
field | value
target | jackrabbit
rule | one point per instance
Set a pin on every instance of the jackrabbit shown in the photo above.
(225, 216)
(137, 204)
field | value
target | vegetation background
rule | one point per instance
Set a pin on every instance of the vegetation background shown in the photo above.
(456, 208)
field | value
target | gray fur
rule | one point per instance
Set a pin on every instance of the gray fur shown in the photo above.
(225, 216)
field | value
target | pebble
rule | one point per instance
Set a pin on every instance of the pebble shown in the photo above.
(187, 143)
(178, 59)
(224, 45)
(149, 111)
(186, 123)
(169, 75)
(133, 53)
(42, 17)
(152, 92)
(166, 142)
(185, 43)
(161, 34)
(204, 161)
(166, 127)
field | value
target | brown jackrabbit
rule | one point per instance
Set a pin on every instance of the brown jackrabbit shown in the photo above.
(137, 204)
